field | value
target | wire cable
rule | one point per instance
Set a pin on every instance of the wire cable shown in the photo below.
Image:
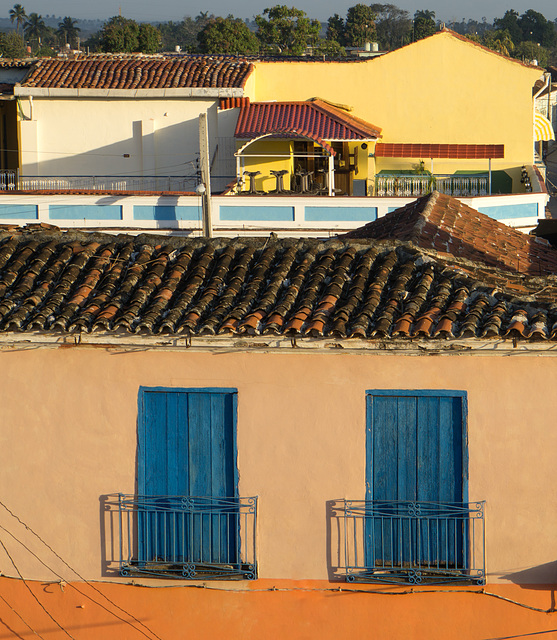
(20, 617)
(34, 596)
(88, 582)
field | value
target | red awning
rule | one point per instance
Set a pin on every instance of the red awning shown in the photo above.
(452, 151)
(314, 119)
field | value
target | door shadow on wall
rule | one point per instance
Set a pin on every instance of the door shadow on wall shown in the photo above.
(113, 535)
(335, 536)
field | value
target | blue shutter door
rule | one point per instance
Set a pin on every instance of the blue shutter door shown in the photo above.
(415, 453)
(186, 447)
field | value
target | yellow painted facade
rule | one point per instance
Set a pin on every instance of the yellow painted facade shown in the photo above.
(440, 90)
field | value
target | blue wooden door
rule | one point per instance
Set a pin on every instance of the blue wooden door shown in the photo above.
(187, 472)
(416, 474)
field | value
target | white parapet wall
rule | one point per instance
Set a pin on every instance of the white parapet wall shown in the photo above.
(237, 215)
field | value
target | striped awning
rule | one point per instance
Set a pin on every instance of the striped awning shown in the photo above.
(542, 128)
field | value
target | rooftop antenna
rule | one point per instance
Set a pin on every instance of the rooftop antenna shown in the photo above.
(120, 11)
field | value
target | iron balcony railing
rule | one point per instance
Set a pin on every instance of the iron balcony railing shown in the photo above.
(413, 542)
(405, 185)
(197, 538)
(10, 181)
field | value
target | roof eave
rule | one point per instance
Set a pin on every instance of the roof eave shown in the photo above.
(185, 92)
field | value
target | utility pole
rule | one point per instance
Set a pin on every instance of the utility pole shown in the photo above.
(205, 193)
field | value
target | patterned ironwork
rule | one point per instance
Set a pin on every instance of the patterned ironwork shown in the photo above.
(184, 537)
(404, 185)
(413, 542)
(10, 180)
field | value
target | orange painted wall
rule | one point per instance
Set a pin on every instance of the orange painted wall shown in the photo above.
(295, 611)
(68, 437)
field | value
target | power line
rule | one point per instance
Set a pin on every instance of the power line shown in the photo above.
(34, 596)
(20, 617)
(88, 582)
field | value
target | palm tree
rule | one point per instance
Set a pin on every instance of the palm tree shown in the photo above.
(68, 30)
(34, 27)
(18, 14)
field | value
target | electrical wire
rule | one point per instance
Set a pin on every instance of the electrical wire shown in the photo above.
(20, 617)
(34, 596)
(88, 582)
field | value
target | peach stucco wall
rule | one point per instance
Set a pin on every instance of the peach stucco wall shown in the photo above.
(68, 438)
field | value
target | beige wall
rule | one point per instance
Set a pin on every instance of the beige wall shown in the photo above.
(68, 437)
(88, 136)
(437, 90)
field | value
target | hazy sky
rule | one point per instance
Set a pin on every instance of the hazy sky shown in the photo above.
(176, 9)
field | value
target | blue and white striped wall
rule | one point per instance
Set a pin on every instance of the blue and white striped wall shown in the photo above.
(232, 215)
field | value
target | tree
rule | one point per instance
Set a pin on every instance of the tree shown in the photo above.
(359, 26)
(124, 35)
(183, 34)
(12, 45)
(536, 28)
(288, 30)
(227, 35)
(335, 29)
(528, 51)
(18, 14)
(393, 26)
(424, 24)
(68, 30)
(148, 38)
(34, 27)
(509, 22)
(499, 40)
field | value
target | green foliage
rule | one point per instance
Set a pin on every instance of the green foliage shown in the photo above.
(227, 35)
(68, 32)
(335, 29)
(12, 45)
(18, 15)
(424, 24)
(529, 51)
(536, 28)
(123, 35)
(34, 27)
(183, 34)
(45, 51)
(148, 38)
(393, 26)
(359, 26)
(499, 40)
(289, 31)
(329, 48)
(509, 22)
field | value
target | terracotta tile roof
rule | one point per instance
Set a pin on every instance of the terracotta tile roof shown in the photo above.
(316, 118)
(138, 72)
(74, 282)
(443, 223)
(458, 151)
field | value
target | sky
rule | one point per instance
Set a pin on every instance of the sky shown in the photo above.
(163, 10)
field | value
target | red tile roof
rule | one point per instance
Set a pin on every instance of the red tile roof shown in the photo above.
(459, 151)
(443, 223)
(53, 282)
(315, 117)
(138, 72)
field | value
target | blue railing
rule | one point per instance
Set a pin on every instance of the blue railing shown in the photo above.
(197, 538)
(413, 542)
(412, 185)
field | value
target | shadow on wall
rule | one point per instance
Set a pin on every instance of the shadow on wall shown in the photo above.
(166, 152)
(110, 535)
(334, 522)
(540, 578)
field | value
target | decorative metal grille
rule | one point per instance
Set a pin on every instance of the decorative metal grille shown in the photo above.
(413, 542)
(9, 181)
(402, 185)
(196, 538)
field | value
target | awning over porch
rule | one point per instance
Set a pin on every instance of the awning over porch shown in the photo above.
(542, 128)
(448, 151)
(314, 119)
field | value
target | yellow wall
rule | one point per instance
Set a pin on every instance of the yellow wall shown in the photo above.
(266, 181)
(301, 443)
(437, 90)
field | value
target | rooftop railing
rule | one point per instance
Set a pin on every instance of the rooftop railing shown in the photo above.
(11, 181)
(406, 185)
(183, 537)
(412, 542)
